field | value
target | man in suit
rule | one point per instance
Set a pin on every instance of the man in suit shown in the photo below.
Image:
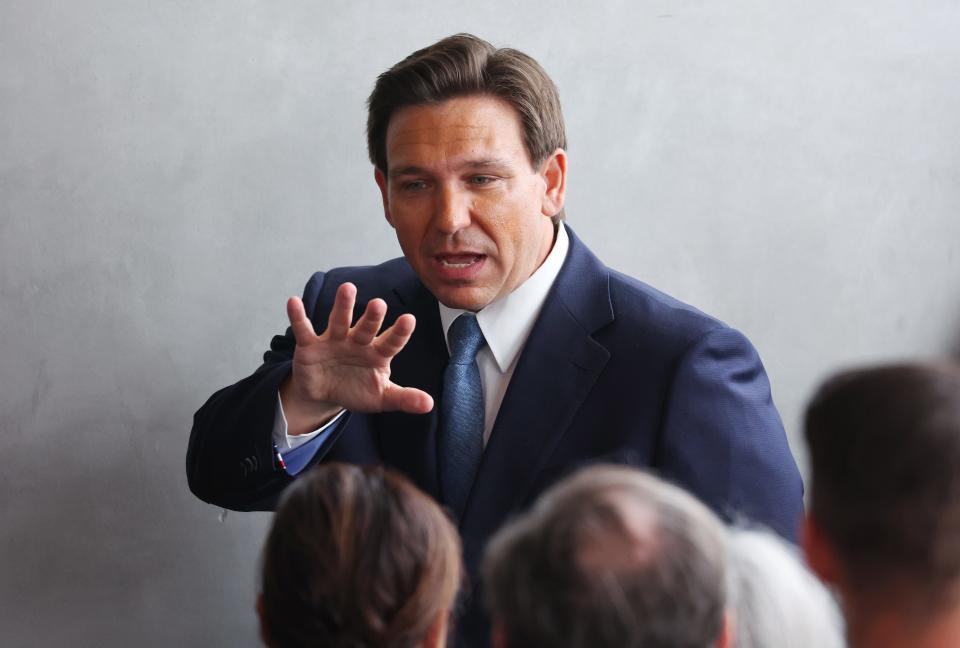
(541, 358)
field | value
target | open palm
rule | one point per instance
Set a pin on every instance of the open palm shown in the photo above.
(348, 367)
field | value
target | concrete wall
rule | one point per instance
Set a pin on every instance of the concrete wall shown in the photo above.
(171, 171)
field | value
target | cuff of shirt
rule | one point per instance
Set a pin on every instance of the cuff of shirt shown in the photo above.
(285, 442)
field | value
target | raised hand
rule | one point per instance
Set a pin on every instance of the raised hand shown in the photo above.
(346, 367)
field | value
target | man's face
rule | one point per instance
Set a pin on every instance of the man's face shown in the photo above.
(471, 214)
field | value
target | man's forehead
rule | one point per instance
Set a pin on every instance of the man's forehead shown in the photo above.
(404, 134)
(482, 128)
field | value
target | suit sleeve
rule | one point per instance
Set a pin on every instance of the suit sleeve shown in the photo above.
(723, 438)
(231, 458)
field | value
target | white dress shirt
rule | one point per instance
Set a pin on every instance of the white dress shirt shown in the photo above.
(506, 324)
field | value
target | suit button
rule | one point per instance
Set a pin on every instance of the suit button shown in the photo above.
(249, 465)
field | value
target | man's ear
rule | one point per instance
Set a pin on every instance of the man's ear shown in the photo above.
(727, 632)
(382, 183)
(498, 634)
(819, 552)
(263, 628)
(437, 632)
(554, 172)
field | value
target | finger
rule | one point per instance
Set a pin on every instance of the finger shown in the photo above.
(299, 322)
(341, 315)
(370, 322)
(406, 399)
(396, 337)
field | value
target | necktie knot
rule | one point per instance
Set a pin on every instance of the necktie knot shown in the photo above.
(465, 338)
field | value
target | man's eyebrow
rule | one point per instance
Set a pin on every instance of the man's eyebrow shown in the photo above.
(487, 163)
(407, 170)
(478, 164)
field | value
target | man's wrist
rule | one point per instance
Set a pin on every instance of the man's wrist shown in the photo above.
(304, 416)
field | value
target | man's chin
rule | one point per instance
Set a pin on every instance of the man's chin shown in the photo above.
(470, 298)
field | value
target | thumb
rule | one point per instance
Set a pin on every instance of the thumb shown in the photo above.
(406, 399)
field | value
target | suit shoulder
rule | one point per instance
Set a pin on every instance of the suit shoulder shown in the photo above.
(385, 274)
(654, 315)
(371, 280)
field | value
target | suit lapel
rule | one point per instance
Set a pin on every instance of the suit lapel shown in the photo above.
(556, 370)
(407, 441)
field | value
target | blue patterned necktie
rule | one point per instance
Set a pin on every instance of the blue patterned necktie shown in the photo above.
(461, 413)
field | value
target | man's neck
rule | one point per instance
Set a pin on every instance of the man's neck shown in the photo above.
(897, 628)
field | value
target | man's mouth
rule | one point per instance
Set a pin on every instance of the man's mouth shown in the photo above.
(459, 267)
(459, 260)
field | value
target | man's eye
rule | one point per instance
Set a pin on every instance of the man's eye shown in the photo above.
(482, 180)
(414, 185)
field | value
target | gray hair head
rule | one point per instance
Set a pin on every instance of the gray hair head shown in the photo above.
(611, 557)
(776, 600)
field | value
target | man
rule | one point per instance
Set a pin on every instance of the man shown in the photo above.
(539, 357)
(611, 558)
(884, 522)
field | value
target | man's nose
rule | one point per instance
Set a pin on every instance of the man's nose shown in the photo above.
(452, 210)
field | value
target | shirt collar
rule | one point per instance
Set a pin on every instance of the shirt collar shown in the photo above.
(506, 323)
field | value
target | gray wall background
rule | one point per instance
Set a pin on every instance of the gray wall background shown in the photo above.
(171, 171)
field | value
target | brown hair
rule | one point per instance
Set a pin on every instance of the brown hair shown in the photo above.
(357, 557)
(611, 557)
(885, 459)
(463, 65)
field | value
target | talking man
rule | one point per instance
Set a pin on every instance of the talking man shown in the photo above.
(498, 354)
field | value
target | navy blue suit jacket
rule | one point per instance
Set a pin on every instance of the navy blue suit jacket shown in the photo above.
(613, 371)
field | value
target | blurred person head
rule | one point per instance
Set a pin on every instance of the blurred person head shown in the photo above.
(611, 557)
(358, 556)
(884, 521)
(775, 600)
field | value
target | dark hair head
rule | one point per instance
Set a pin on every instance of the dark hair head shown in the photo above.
(357, 557)
(885, 459)
(463, 65)
(610, 558)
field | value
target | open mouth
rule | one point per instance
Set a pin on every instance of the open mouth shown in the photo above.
(459, 260)
(465, 266)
